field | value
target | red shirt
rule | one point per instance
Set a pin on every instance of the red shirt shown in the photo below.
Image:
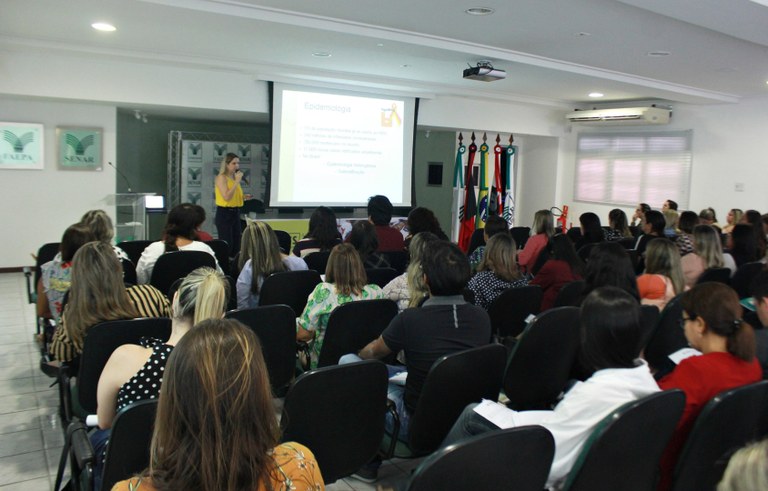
(551, 277)
(701, 378)
(390, 239)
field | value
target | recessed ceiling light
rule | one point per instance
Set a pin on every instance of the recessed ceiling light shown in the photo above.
(596, 94)
(657, 54)
(321, 54)
(480, 11)
(405, 65)
(583, 34)
(103, 26)
(380, 45)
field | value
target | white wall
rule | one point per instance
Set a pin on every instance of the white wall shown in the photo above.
(39, 204)
(536, 177)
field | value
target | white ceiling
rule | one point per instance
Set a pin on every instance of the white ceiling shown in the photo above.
(554, 51)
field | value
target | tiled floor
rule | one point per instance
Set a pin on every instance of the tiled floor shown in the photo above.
(30, 434)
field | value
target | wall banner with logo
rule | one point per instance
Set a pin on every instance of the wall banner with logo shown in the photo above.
(79, 148)
(21, 146)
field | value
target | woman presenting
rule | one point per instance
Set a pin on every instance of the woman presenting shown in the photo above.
(229, 200)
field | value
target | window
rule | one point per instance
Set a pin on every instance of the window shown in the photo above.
(631, 168)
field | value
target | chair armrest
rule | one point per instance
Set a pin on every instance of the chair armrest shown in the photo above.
(392, 409)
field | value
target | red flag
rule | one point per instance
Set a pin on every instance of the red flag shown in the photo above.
(468, 210)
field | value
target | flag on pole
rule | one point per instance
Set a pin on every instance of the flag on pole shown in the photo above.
(482, 181)
(494, 200)
(458, 188)
(507, 174)
(469, 207)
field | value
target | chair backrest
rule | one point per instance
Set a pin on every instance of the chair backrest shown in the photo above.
(510, 309)
(339, 413)
(571, 294)
(398, 260)
(134, 248)
(649, 319)
(541, 360)
(516, 458)
(317, 260)
(104, 338)
(728, 422)
(275, 325)
(177, 264)
(129, 272)
(381, 276)
(353, 325)
(520, 234)
(627, 242)
(46, 253)
(454, 381)
(221, 251)
(741, 281)
(129, 442)
(667, 338)
(719, 275)
(291, 288)
(585, 250)
(284, 240)
(624, 449)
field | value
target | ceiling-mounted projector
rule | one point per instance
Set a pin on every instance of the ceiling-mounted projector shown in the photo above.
(484, 72)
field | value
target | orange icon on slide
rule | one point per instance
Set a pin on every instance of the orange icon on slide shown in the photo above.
(390, 115)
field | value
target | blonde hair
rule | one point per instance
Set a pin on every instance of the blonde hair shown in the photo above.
(706, 243)
(226, 160)
(97, 293)
(417, 287)
(500, 257)
(663, 257)
(543, 223)
(202, 294)
(345, 270)
(747, 470)
(100, 225)
(260, 245)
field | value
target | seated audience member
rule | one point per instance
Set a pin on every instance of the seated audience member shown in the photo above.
(260, 256)
(216, 395)
(610, 346)
(638, 219)
(669, 205)
(422, 219)
(97, 294)
(322, 235)
(409, 289)
(543, 228)
(497, 271)
(747, 469)
(55, 276)
(494, 225)
(345, 281)
(102, 230)
(713, 325)
(380, 214)
(688, 220)
(591, 230)
(759, 319)
(742, 244)
(663, 277)
(363, 238)
(134, 372)
(652, 228)
(179, 235)
(445, 324)
(562, 266)
(707, 216)
(618, 227)
(670, 223)
(753, 217)
(610, 265)
(707, 253)
(201, 234)
(734, 217)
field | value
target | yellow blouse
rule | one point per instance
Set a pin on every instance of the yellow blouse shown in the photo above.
(237, 198)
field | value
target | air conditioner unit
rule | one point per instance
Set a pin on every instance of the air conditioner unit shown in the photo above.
(621, 115)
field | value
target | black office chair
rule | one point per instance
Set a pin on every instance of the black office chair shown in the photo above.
(381, 276)
(338, 412)
(177, 264)
(352, 326)
(517, 459)
(719, 275)
(46, 253)
(540, 362)
(453, 382)
(571, 294)
(317, 260)
(275, 325)
(510, 309)
(520, 234)
(624, 449)
(291, 288)
(221, 251)
(649, 319)
(627, 242)
(667, 338)
(398, 260)
(728, 422)
(129, 272)
(134, 248)
(741, 281)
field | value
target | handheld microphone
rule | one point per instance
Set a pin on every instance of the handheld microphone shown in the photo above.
(121, 175)
(244, 178)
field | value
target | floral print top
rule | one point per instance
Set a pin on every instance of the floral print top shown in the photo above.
(320, 303)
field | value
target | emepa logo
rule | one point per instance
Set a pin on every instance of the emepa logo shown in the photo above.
(18, 142)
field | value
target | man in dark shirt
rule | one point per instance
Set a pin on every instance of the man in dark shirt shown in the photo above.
(759, 321)
(380, 214)
(445, 324)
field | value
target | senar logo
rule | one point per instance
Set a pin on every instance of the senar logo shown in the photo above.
(79, 146)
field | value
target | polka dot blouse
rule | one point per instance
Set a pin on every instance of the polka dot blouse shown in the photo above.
(146, 383)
